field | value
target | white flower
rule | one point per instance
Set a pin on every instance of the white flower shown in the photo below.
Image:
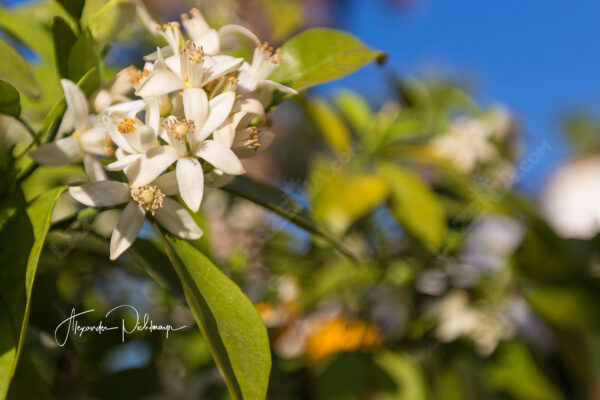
(197, 29)
(465, 144)
(237, 134)
(206, 37)
(133, 138)
(254, 75)
(189, 68)
(187, 139)
(140, 199)
(571, 200)
(115, 92)
(87, 140)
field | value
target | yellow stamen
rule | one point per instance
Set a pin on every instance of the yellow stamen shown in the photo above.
(127, 126)
(273, 56)
(149, 197)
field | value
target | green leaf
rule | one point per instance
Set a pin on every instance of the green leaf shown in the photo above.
(516, 373)
(414, 205)
(64, 39)
(74, 7)
(230, 323)
(339, 198)
(330, 124)
(83, 56)
(15, 70)
(23, 230)
(28, 32)
(321, 55)
(28, 383)
(9, 100)
(110, 19)
(280, 203)
(406, 373)
(356, 110)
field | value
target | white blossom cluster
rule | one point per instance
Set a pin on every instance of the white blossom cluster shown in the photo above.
(197, 113)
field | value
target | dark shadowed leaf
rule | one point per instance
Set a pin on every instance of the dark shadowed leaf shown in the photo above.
(9, 100)
(23, 230)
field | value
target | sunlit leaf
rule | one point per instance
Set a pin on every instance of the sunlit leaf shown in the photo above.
(23, 230)
(9, 100)
(414, 205)
(356, 110)
(321, 55)
(106, 19)
(28, 32)
(232, 327)
(340, 198)
(15, 70)
(330, 124)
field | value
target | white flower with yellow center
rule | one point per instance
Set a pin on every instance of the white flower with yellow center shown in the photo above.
(151, 198)
(87, 140)
(189, 68)
(254, 75)
(187, 140)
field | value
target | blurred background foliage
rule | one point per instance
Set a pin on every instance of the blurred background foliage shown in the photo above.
(435, 280)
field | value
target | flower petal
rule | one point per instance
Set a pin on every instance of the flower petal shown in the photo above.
(101, 193)
(220, 107)
(220, 157)
(76, 103)
(94, 141)
(93, 168)
(215, 69)
(162, 81)
(238, 29)
(215, 180)
(63, 151)
(147, 137)
(153, 163)
(128, 227)
(123, 162)
(167, 183)
(278, 86)
(131, 108)
(176, 219)
(195, 105)
(210, 42)
(190, 179)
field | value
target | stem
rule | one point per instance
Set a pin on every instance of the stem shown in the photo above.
(30, 130)
(30, 170)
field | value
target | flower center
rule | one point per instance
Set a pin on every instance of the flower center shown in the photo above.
(180, 128)
(272, 56)
(253, 138)
(148, 196)
(195, 53)
(137, 77)
(126, 126)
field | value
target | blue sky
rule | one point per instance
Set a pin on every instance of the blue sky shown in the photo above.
(539, 57)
